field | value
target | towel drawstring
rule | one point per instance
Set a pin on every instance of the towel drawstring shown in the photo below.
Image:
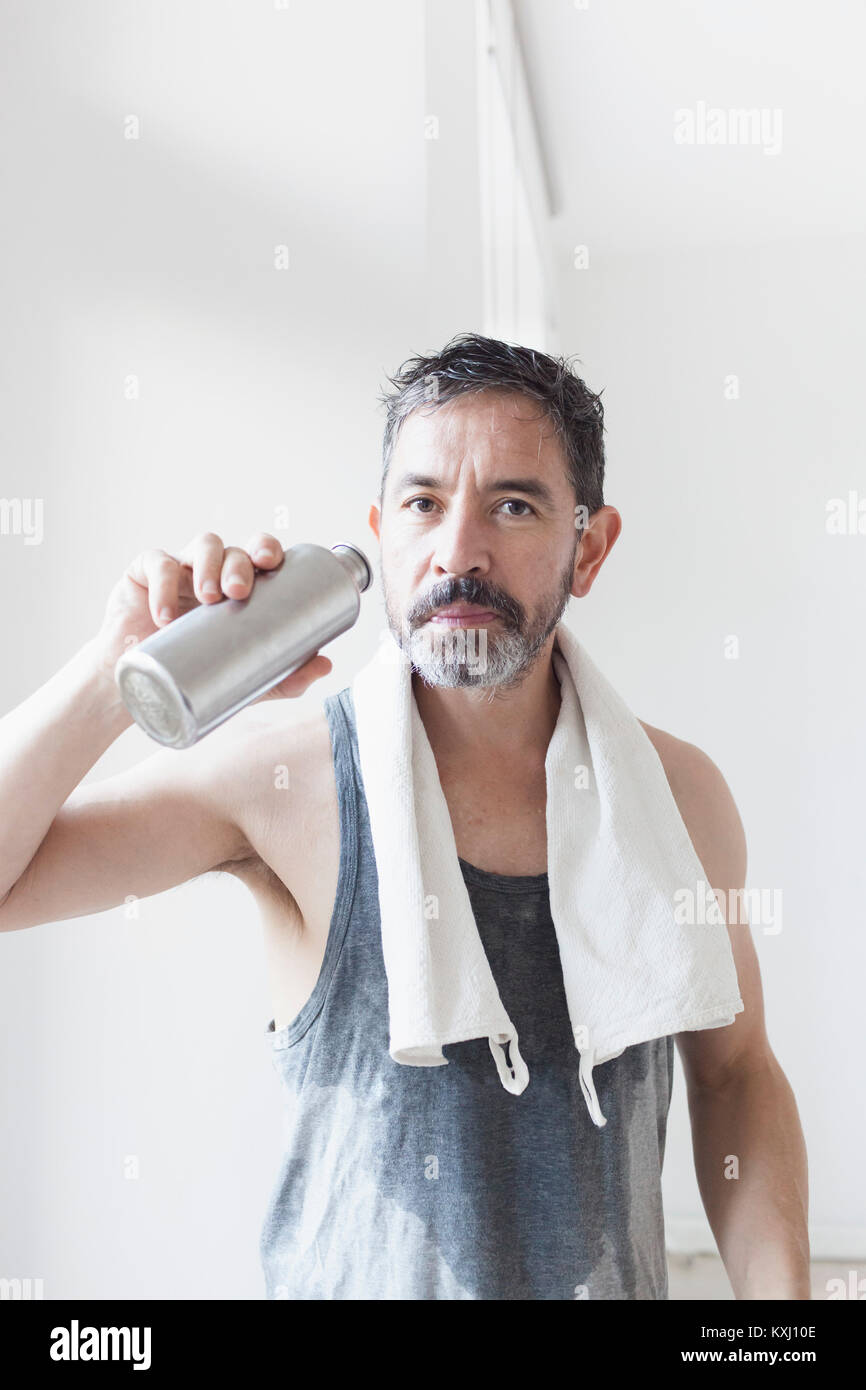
(513, 1071)
(587, 1061)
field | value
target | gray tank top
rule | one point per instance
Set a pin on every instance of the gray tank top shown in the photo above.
(402, 1182)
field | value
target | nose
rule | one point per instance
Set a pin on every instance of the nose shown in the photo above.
(461, 545)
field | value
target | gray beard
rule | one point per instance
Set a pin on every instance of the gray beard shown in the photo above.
(494, 658)
(497, 658)
(473, 658)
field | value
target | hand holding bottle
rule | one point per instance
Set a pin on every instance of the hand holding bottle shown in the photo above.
(158, 587)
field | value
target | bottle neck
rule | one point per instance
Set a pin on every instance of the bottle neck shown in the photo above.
(355, 563)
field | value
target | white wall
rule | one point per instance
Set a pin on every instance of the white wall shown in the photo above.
(724, 511)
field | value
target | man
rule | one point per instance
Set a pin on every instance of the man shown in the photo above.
(403, 1182)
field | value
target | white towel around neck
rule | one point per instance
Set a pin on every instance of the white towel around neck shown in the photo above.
(619, 864)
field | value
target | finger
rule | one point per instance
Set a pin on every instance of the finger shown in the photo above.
(161, 573)
(205, 555)
(313, 670)
(237, 574)
(317, 667)
(264, 550)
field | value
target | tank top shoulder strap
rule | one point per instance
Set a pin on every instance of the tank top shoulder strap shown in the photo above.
(340, 714)
(357, 893)
(354, 825)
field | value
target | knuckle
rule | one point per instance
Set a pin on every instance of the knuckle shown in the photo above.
(259, 539)
(157, 562)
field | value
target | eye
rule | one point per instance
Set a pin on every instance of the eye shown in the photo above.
(508, 502)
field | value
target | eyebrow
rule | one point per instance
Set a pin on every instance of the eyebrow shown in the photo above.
(533, 487)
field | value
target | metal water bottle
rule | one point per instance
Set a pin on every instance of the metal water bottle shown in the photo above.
(192, 675)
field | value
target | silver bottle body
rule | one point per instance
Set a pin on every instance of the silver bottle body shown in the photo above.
(192, 675)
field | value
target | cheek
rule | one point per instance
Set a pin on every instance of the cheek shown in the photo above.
(404, 562)
(393, 560)
(401, 575)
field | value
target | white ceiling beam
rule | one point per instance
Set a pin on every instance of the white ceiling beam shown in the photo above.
(506, 51)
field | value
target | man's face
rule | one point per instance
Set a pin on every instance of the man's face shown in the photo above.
(478, 509)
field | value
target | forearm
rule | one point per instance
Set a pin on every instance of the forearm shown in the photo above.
(751, 1166)
(47, 745)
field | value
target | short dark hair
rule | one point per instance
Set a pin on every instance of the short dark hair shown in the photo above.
(470, 362)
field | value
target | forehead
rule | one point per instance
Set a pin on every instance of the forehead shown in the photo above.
(487, 423)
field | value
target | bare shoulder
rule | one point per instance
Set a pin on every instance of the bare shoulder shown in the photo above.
(706, 805)
(712, 1056)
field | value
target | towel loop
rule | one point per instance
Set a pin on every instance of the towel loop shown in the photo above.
(587, 1062)
(513, 1071)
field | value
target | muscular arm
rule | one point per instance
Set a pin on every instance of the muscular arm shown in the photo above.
(743, 1113)
(69, 850)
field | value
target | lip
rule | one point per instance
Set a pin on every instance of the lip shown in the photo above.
(463, 614)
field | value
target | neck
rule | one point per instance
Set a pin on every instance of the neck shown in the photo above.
(465, 725)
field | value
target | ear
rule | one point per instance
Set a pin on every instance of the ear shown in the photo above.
(595, 545)
(374, 517)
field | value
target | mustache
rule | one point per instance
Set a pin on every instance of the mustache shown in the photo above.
(466, 591)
